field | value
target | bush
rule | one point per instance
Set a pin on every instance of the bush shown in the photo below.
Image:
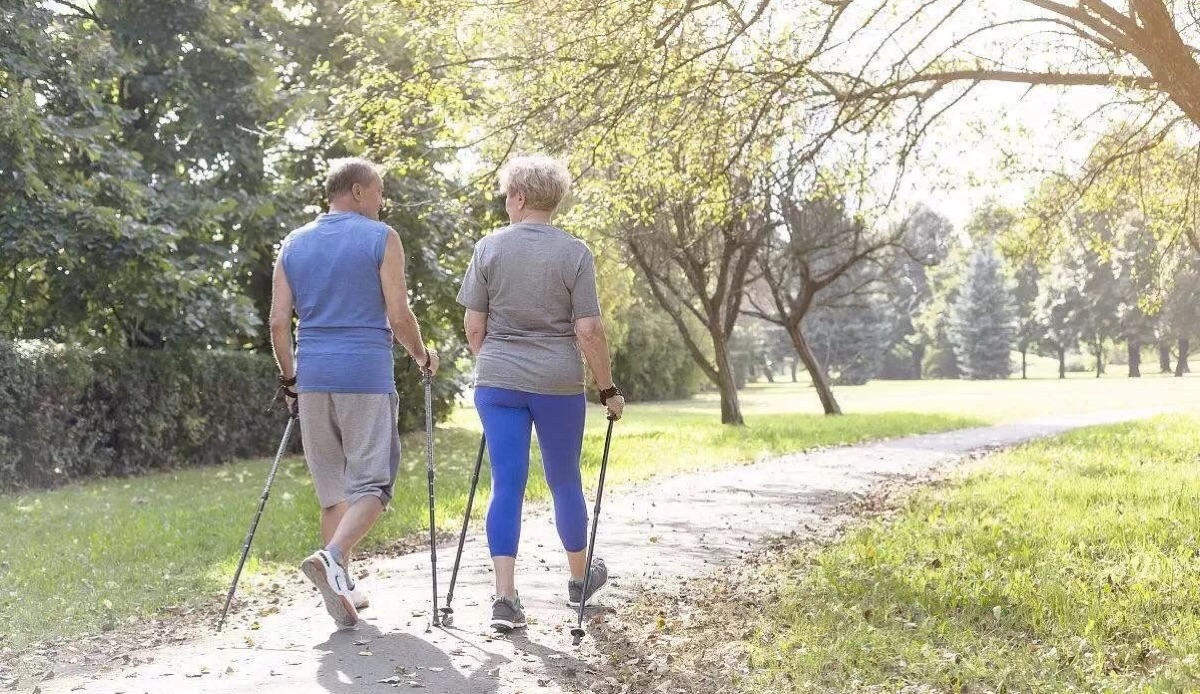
(653, 363)
(72, 414)
(42, 430)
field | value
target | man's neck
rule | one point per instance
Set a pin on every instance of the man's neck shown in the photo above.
(338, 209)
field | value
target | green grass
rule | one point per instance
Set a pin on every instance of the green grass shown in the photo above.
(91, 556)
(1066, 565)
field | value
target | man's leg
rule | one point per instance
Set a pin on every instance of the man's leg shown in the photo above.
(354, 526)
(323, 450)
(330, 517)
(371, 443)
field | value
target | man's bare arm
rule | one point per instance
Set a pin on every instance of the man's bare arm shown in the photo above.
(282, 305)
(405, 328)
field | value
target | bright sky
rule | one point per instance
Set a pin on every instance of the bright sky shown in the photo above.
(1000, 140)
(1000, 145)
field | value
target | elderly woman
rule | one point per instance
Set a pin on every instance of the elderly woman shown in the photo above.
(531, 310)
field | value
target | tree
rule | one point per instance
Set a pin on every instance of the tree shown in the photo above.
(695, 255)
(933, 322)
(1059, 305)
(850, 341)
(1143, 50)
(981, 321)
(1101, 294)
(651, 360)
(1181, 314)
(101, 241)
(925, 243)
(1136, 269)
(818, 245)
(1025, 294)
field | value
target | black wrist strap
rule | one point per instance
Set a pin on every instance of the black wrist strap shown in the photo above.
(287, 382)
(607, 393)
(428, 359)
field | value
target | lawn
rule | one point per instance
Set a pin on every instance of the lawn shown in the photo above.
(1065, 565)
(91, 556)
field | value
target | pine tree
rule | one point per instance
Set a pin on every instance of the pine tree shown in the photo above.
(981, 319)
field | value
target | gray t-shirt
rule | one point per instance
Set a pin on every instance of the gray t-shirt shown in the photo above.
(533, 281)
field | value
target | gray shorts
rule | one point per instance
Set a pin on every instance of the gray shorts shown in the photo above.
(351, 444)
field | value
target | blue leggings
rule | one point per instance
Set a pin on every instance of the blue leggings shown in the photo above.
(508, 416)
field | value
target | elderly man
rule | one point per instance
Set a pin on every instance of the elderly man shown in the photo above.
(343, 275)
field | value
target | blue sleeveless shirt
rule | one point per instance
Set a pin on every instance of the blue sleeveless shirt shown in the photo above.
(344, 341)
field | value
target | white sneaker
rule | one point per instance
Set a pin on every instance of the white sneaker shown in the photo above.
(330, 578)
(359, 598)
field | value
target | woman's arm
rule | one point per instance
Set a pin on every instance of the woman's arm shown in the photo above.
(475, 324)
(593, 342)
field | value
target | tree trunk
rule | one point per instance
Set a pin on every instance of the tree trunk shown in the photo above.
(819, 379)
(1024, 363)
(731, 409)
(767, 370)
(1062, 362)
(795, 364)
(1135, 358)
(1164, 357)
(918, 360)
(1182, 366)
(1099, 347)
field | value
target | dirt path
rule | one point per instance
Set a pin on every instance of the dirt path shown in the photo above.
(652, 534)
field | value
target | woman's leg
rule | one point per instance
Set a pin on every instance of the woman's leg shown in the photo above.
(506, 424)
(559, 420)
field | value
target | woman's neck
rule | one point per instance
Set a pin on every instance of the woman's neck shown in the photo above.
(536, 217)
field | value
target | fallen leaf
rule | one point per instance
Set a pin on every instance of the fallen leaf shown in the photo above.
(394, 679)
(365, 653)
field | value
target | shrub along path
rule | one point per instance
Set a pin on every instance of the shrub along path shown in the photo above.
(653, 535)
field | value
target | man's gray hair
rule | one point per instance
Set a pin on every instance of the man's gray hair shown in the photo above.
(543, 181)
(344, 173)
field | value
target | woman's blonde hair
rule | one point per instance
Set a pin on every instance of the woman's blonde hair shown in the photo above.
(543, 180)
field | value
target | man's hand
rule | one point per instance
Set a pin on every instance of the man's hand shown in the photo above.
(430, 366)
(287, 393)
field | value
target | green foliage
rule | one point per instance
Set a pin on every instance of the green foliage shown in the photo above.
(926, 242)
(850, 342)
(981, 323)
(652, 362)
(76, 414)
(117, 180)
(43, 432)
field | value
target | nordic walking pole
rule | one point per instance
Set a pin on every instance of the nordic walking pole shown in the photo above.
(578, 633)
(448, 611)
(427, 377)
(262, 504)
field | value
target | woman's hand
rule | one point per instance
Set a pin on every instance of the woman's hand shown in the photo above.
(616, 406)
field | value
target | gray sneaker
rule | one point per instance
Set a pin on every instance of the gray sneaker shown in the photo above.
(507, 614)
(599, 580)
